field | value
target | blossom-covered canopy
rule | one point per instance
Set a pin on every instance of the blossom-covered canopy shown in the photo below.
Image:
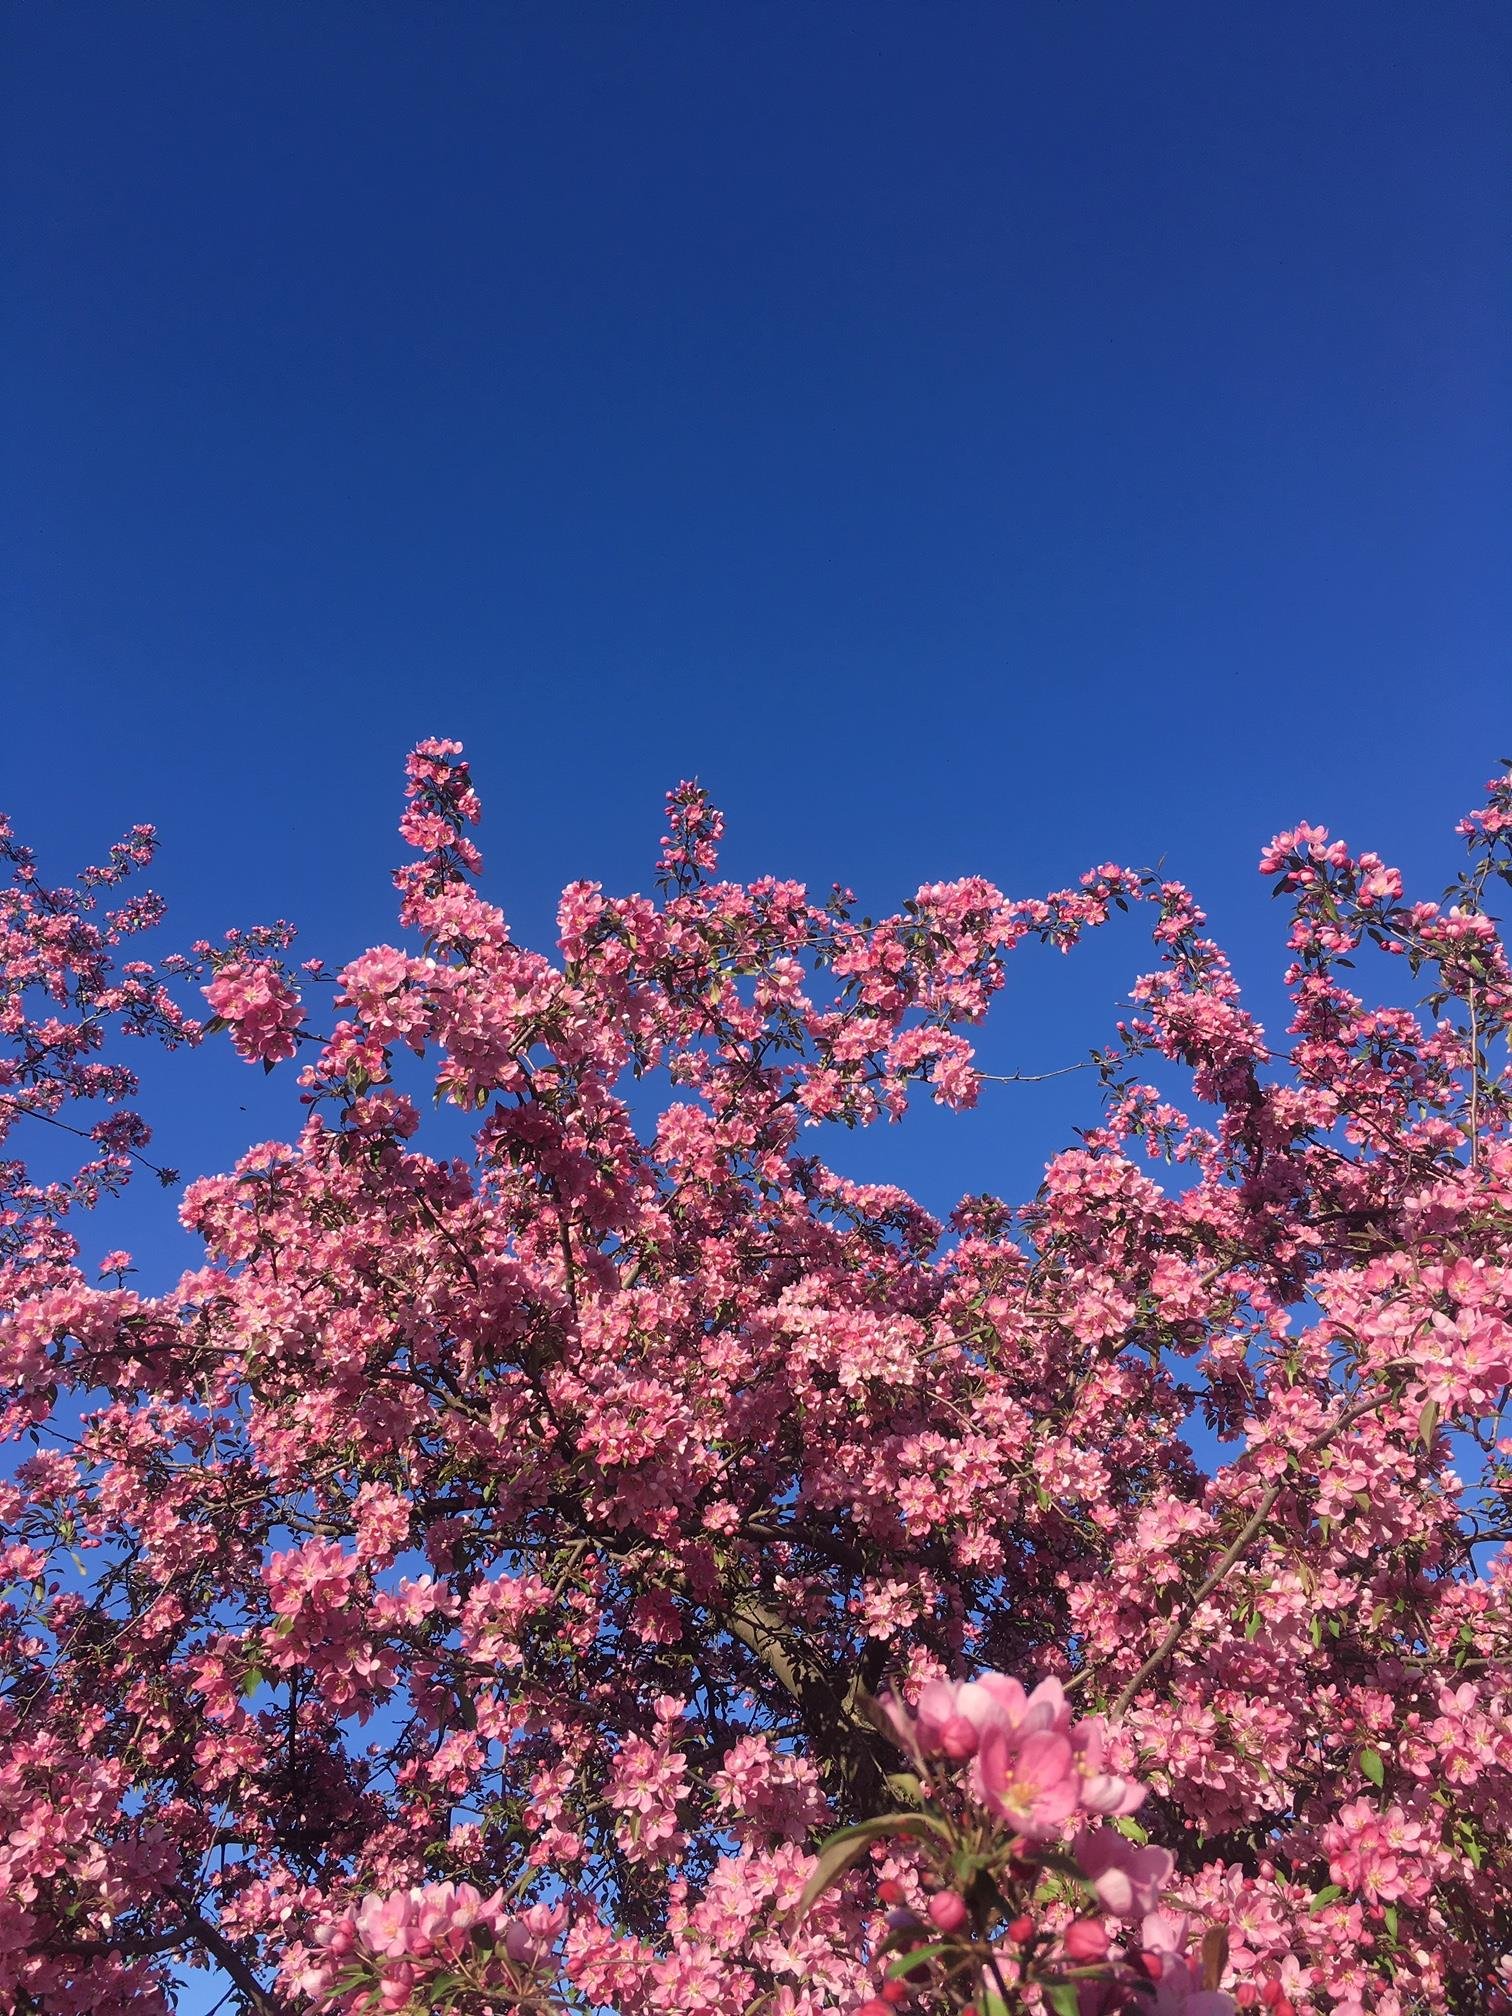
(492, 1579)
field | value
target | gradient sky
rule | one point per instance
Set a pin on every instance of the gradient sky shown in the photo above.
(970, 438)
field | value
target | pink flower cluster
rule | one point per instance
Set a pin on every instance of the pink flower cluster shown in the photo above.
(388, 1951)
(536, 1510)
(1383, 1856)
(1024, 1760)
(259, 1007)
(64, 992)
(1033, 1765)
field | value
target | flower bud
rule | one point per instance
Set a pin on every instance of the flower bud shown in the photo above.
(958, 1738)
(1085, 1941)
(1021, 1929)
(947, 1909)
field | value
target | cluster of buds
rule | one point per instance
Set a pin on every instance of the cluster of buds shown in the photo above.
(1031, 1885)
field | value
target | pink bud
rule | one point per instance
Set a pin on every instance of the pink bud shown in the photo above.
(958, 1738)
(948, 1910)
(1085, 1940)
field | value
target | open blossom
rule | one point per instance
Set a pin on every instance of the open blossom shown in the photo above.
(1174, 1972)
(1028, 1781)
(1127, 1881)
(1101, 1790)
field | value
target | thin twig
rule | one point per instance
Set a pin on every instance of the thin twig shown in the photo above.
(1034, 1077)
(1232, 1553)
(26, 1112)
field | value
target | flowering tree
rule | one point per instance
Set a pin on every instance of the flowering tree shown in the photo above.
(629, 1566)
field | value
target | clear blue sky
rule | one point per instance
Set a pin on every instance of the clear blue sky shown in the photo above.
(971, 438)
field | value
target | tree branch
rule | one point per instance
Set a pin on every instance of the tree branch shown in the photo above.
(1231, 1554)
(230, 1962)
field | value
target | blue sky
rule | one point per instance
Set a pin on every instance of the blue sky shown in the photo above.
(984, 438)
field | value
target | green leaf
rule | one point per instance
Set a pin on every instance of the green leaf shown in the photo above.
(916, 1956)
(1373, 1765)
(906, 1785)
(845, 1848)
(1062, 1997)
(1390, 1915)
(1428, 1422)
(1326, 1896)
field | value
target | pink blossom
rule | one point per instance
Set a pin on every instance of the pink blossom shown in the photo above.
(1030, 1782)
(1126, 1880)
